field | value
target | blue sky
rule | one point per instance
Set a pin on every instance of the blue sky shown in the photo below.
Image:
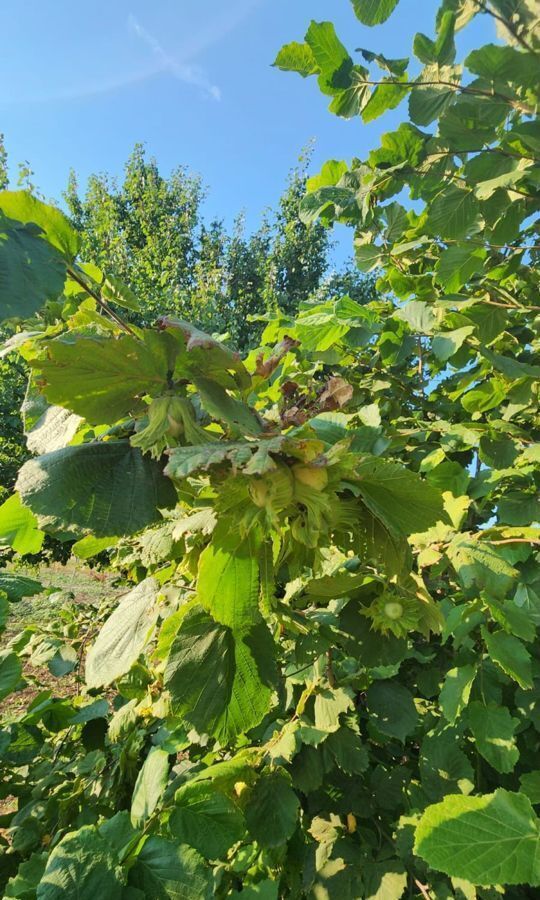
(192, 79)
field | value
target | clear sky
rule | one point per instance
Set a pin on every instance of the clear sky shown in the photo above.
(81, 82)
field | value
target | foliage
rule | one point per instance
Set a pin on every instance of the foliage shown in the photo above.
(324, 680)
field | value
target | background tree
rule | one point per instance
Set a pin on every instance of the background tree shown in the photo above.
(149, 230)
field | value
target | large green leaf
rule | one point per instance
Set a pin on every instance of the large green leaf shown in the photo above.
(18, 586)
(456, 691)
(56, 228)
(101, 378)
(391, 709)
(479, 565)
(373, 12)
(107, 488)
(272, 809)
(167, 871)
(490, 839)
(206, 819)
(31, 270)
(328, 51)
(221, 406)
(83, 866)
(18, 527)
(10, 672)
(124, 635)
(228, 585)
(511, 655)
(200, 669)
(149, 786)
(493, 729)
(398, 497)
(454, 214)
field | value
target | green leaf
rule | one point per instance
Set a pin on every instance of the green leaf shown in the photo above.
(402, 500)
(221, 406)
(391, 709)
(83, 866)
(324, 199)
(456, 265)
(329, 705)
(102, 378)
(18, 527)
(55, 227)
(167, 871)
(18, 586)
(373, 12)
(24, 884)
(295, 57)
(486, 396)
(206, 819)
(530, 785)
(447, 343)
(479, 565)
(490, 839)
(348, 751)
(124, 635)
(107, 488)
(272, 809)
(500, 64)
(384, 881)
(149, 787)
(421, 317)
(200, 669)
(10, 672)
(228, 585)
(493, 730)
(453, 214)
(456, 691)
(329, 53)
(510, 654)
(31, 270)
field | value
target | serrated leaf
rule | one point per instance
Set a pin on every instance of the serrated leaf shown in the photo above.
(18, 586)
(149, 787)
(398, 497)
(453, 214)
(55, 227)
(272, 809)
(490, 839)
(479, 565)
(101, 378)
(10, 672)
(373, 12)
(18, 527)
(83, 866)
(31, 270)
(167, 871)
(206, 819)
(510, 654)
(391, 709)
(493, 730)
(124, 635)
(456, 691)
(107, 488)
(296, 57)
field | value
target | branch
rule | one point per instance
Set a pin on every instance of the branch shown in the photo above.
(463, 89)
(73, 274)
(508, 25)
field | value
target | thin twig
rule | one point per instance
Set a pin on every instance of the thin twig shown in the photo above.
(423, 888)
(508, 25)
(100, 301)
(463, 89)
